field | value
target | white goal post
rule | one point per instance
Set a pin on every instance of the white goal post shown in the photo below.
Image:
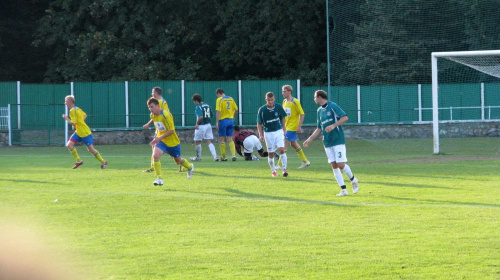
(487, 62)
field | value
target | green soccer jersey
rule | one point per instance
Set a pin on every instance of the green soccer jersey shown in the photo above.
(204, 110)
(270, 118)
(329, 114)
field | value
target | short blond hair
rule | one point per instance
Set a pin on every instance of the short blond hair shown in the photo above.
(287, 87)
(70, 98)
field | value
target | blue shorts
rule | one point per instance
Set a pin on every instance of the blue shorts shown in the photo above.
(291, 136)
(87, 140)
(226, 127)
(174, 152)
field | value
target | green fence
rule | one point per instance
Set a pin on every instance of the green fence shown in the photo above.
(117, 105)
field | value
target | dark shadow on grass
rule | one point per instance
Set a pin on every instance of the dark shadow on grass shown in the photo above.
(30, 181)
(233, 193)
(439, 202)
(386, 184)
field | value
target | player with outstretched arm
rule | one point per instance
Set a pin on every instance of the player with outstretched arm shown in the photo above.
(330, 120)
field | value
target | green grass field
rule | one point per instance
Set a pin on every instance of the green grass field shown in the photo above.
(417, 215)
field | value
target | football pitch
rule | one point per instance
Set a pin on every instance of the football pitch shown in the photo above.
(416, 216)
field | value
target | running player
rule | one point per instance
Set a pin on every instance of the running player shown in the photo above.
(82, 133)
(165, 140)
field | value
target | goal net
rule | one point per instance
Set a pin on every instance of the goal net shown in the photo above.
(457, 74)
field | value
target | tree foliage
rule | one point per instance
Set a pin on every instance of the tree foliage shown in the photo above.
(371, 41)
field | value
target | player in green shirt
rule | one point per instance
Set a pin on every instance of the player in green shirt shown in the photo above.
(330, 120)
(271, 127)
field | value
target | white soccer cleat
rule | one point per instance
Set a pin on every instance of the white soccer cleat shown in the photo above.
(191, 172)
(304, 165)
(277, 167)
(355, 186)
(254, 157)
(195, 159)
(343, 192)
(158, 182)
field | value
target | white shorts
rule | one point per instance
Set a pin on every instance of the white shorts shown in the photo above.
(336, 153)
(274, 140)
(250, 143)
(204, 131)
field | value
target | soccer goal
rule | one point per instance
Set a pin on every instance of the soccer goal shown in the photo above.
(482, 66)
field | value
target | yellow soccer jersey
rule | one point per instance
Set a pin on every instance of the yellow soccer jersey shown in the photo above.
(77, 116)
(293, 110)
(163, 104)
(163, 123)
(226, 106)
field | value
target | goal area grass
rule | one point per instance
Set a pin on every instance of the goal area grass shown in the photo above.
(417, 215)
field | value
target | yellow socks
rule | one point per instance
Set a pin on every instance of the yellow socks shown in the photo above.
(301, 154)
(99, 157)
(222, 147)
(157, 167)
(232, 148)
(186, 164)
(74, 153)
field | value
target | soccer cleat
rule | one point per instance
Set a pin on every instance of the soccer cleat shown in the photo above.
(355, 186)
(223, 159)
(104, 165)
(285, 173)
(233, 159)
(274, 174)
(216, 159)
(78, 164)
(255, 158)
(149, 170)
(277, 167)
(190, 171)
(343, 192)
(195, 159)
(158, 182)
(304, 165)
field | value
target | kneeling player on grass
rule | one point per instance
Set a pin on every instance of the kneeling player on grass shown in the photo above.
(249, 141)
(82, 133)
(165, 140)
(330, 120)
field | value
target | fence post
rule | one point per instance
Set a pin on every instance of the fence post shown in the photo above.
(9, 126)
(298, 90)
(127, 120)
(183, 123)
(482, 101)
(359, 102)
(19, 104)
(419, 102)
(240, 104)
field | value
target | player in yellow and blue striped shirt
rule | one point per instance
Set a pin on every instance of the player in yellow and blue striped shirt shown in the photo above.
(165, 140)
(294, 119)
(82, 133)
(224, 122)
(156, 93)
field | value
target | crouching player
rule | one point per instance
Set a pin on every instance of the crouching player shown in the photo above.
(165, 140)
(249, 141)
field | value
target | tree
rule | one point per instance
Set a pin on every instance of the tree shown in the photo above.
(394, 40)
(19, 60)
